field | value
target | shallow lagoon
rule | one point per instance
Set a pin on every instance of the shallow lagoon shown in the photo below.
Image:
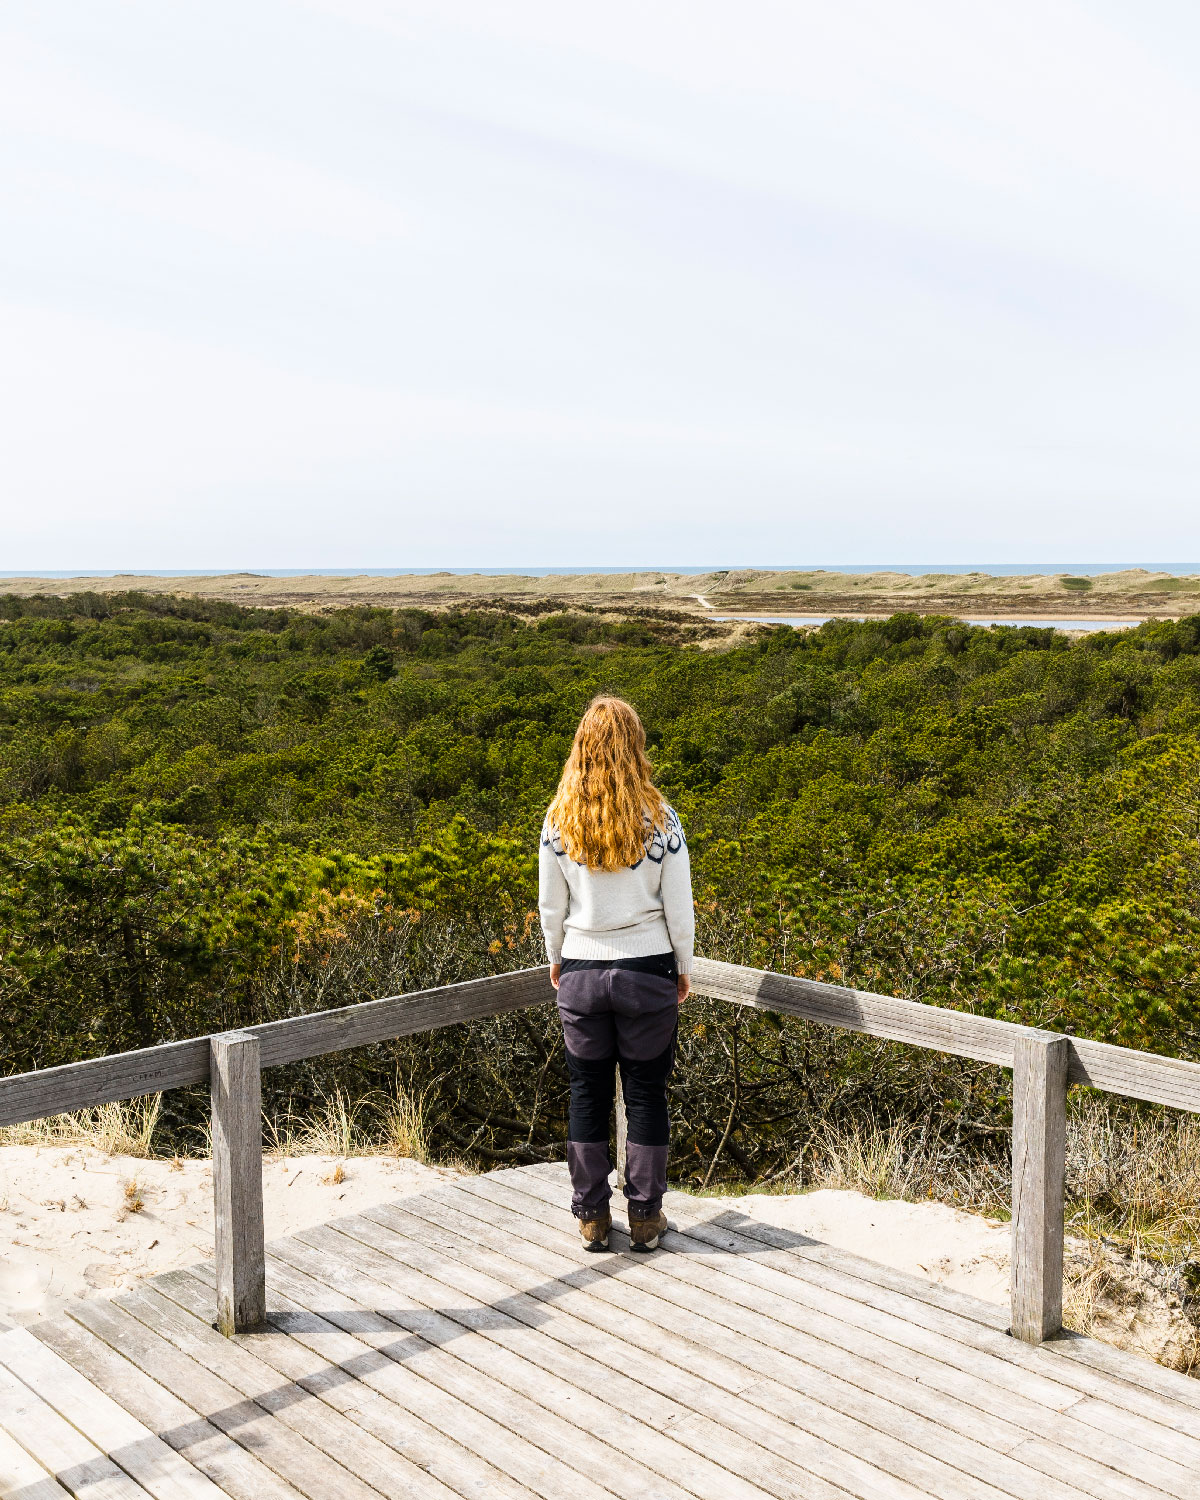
(798, 620)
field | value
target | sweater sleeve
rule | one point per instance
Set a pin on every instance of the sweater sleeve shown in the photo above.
(678, 909)
(554, 898)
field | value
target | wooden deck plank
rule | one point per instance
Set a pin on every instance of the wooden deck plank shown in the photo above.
(231, 1468)
(1102, 1414)
(727, 1298)
(716, 1478)
(580, 1318)
(384, 1355)
(77, 1465)
(1129, 1370)
(313, 1361)
(460, 1345)
(613, 1353)
(712, 1247)
(695, 1284)
(277, 1439)
(912, 1321)
(777, 1288)
(609, 1279)
(1105, 1404)
(647, 1403)
(132, 1446)
(22, 1477)
(342, 1443)
(337, 1328)
(607, 1444)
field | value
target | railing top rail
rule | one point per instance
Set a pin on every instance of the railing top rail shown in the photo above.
(126, 1075)
(1116, 1070)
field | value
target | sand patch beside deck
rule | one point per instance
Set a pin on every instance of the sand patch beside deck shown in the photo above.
(75, 1222)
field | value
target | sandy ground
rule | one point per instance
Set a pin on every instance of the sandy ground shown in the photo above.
(68, 1230)
(931, 1240)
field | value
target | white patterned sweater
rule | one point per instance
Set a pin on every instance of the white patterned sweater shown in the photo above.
(619, 913)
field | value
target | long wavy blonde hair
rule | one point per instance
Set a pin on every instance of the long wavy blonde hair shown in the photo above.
(606, 794)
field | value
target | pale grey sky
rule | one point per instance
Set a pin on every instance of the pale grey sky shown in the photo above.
(375, 282)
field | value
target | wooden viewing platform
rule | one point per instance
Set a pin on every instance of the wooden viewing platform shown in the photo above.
(461, 1343)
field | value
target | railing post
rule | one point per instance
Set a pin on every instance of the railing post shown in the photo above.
(622, 1130)
(236, 1084)
(1039, 1142)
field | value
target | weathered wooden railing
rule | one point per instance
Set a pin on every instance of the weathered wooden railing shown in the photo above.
(1044, 1066)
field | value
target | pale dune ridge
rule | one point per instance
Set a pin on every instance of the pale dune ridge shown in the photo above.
(1133, 591)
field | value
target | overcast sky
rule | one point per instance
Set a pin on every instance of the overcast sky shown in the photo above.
(370, 282)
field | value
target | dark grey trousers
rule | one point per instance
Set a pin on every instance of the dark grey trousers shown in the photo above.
(618, 1018)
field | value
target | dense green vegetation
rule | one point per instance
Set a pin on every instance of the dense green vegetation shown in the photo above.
(213, 815)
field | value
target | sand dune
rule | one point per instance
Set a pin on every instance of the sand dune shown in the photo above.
(748, 590)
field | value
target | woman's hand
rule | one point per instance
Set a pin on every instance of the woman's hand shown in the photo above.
(684, 985)
(555, 971)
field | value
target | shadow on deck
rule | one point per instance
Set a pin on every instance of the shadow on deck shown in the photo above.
(460, 1343)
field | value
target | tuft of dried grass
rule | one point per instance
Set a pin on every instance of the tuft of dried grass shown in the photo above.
(1132, 1276)
(898, 1159)
(1133, 1174)
(333, 1128)
(880, 1161)
(1112, 1294)
(339, 1126)
(123, 1129)
(404, 1130)
(133, 1200)
(342, 1127)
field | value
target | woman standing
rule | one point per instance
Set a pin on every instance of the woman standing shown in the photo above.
(616, 910)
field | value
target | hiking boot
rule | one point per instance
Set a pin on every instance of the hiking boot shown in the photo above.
(644, 1232)
(594, 1232)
